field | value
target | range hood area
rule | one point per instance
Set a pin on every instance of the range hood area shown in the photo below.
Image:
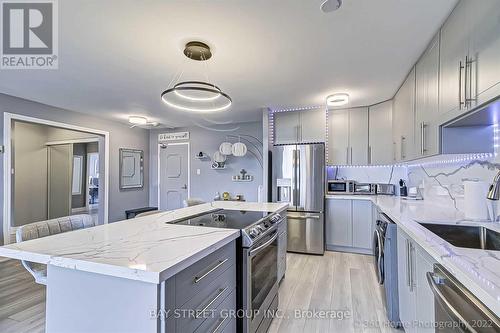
(474, 132)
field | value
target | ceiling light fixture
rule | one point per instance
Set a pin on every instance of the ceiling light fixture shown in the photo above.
(196, 96)
(137, 120)
(337, 99)
(141, 121)
(330, 5)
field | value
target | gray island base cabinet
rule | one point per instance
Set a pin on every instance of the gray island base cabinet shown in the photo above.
(196, 299)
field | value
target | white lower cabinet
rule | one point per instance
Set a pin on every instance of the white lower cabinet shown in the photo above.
(349, 225)
(416, 301)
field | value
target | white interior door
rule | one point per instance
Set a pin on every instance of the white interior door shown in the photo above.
(174, 175)
(60, 174)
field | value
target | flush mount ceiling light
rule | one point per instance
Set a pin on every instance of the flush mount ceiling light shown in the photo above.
(141, 121)
(196, 96)
(337, 99)
(330, 5)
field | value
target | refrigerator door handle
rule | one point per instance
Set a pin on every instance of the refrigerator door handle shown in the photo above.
(294, 180)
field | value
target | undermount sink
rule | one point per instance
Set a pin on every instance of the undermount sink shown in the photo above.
(473, 237)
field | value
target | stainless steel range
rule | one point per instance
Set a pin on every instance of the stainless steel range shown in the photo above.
(257, 264)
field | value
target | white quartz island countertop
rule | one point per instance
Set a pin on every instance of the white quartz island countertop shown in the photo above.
(144, 249)
(478, 270)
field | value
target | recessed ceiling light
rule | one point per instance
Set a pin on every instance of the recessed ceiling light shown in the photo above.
(330, 5)
(137, 120)
(337, 99)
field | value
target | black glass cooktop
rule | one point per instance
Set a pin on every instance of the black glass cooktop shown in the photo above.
(231, 219)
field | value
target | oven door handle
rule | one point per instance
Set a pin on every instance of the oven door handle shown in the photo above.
(261, 247)
(434, 281)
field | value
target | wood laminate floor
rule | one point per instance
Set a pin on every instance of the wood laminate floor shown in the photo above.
(22, 301)
(333, 285)
(341, 287)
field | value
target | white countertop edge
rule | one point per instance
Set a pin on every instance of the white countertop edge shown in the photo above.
(120, 271)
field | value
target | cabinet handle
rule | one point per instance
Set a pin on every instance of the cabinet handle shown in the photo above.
(410, 256)
(423, 150)
(369, 154)
(351, 155)
(403, 154)
(197, 279)
(460, 67)
(347, 156)
(394, 151)
(468, 68)
(407, 263)
(221, 291)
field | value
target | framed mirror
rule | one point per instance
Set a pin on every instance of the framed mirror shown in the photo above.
(131, 168)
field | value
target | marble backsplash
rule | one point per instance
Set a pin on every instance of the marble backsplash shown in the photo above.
(369, 174)
(443, 184)
(440, 179)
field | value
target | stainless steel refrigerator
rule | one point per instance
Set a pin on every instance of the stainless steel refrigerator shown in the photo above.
(299, 180)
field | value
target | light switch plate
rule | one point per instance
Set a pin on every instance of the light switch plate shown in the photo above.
(198, 172)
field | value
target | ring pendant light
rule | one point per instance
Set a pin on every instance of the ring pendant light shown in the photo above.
(197, 96)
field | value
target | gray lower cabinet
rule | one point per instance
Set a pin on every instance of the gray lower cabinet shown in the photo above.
(198, 298)
(416, 301)
(282, 245)
(349, 225)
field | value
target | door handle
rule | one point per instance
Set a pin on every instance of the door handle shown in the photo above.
(184, 187)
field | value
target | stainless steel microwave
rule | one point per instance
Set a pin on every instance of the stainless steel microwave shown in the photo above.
(364, 188)
(340, 187)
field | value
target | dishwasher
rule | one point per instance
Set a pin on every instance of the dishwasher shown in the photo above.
(457, 309)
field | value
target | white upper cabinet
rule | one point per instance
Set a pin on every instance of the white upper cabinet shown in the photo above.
(338, 137)
(484, 49)
(427, 101)
(313, 126)
(286, 127)
(470, 49)
(454, 48)
(404, 119)
(348, 136)
(380, 133)
(299, 126)
(358, 136)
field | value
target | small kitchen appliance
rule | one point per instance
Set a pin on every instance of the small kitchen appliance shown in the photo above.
(340, 186)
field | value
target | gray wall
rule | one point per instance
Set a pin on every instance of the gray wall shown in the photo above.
(209, 181)
(121, 136)
(30, 178)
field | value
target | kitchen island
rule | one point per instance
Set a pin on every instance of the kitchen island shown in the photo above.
(112, 278)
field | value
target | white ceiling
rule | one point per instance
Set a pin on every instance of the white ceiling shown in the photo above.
(117, 56)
